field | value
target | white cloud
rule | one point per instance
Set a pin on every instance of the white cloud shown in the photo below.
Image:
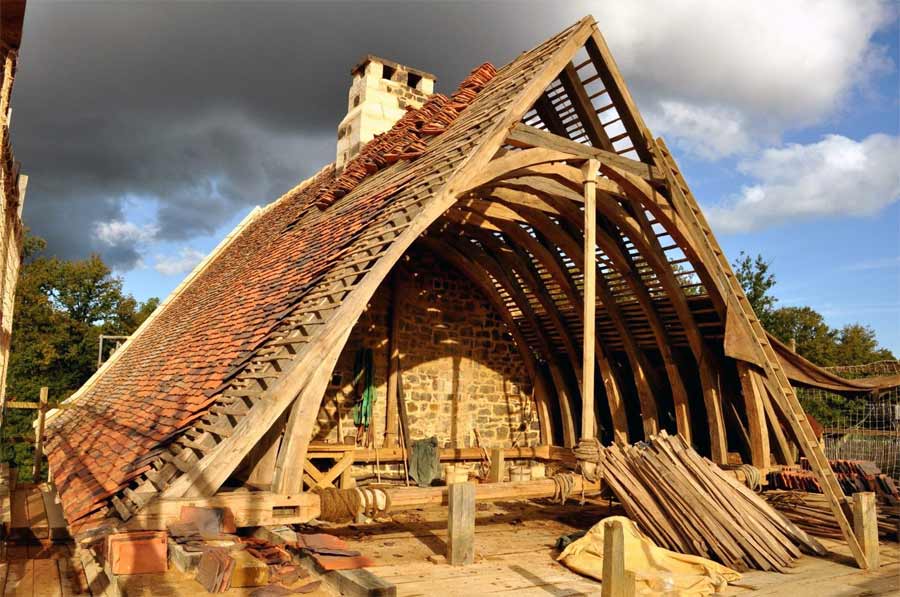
(119, 232)
(836, 176)
(760, 67)
(185, 261)
(708, 131)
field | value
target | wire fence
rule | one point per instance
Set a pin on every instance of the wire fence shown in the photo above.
(860, 428)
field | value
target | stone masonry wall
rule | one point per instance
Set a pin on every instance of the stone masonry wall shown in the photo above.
(461, 370)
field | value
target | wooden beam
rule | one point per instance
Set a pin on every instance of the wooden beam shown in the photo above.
(640, 366)
(611, 243)
(250, 509)
(583, 107)
(617, 582)
(391, 414)
(760, 451)
(523, 135)
(551, 262)
(588, 420)
(461, 524)
(865, 526)
(288, 477)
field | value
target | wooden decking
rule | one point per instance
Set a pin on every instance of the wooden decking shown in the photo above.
(515, 556)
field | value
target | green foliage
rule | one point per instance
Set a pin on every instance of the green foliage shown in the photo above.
(854, 344)
(61, 309)
(753, 274)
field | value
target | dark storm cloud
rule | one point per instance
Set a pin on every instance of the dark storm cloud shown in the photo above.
(206, 108)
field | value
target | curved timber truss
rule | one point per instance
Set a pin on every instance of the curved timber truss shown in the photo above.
(550, 194)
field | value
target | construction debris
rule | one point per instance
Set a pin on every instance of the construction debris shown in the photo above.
(687, 504)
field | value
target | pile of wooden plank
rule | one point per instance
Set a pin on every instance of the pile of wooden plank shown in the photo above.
(811, 512)
(686, 503)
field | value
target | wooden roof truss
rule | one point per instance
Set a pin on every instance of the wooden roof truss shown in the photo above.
(634, 289)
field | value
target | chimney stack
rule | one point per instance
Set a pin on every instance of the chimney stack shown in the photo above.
(379, 95)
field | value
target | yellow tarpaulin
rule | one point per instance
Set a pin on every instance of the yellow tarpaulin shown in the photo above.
(657, 570)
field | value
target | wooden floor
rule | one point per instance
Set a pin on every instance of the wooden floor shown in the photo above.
(515, 556)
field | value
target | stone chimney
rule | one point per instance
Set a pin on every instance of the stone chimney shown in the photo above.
(380, 92)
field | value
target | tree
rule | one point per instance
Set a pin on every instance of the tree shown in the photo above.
(857, 345)
(854, 344)
(815, 340)
(753, 274)
(61, 309)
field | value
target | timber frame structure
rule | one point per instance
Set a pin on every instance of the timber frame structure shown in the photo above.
(551, 195)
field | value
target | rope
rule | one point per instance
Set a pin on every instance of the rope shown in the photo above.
(564, 483)
(588, 451)
(339, 505)
(371, 498)
(754, 477)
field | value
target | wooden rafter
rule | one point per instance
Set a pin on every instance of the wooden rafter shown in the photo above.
(478, 276)
(514, 290)
(549, 261)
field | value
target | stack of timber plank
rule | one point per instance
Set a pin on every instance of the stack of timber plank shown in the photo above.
(686, 503)
(811, 512)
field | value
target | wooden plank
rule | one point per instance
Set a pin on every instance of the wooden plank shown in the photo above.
(461, 524)
(588, 420)
(46, 577)
(37, 518)
(865, 526)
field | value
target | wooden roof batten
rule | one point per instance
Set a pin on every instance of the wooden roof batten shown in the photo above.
(283, 378)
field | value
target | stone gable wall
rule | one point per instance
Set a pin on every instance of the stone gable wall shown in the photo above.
(461, 370)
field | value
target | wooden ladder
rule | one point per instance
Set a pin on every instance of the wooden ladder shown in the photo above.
(733, 294)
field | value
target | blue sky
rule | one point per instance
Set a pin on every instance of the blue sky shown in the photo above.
(784, 116)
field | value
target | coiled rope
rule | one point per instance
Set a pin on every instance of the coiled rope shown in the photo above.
(588, 451)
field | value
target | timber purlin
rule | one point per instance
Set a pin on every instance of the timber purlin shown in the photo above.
(245, 350)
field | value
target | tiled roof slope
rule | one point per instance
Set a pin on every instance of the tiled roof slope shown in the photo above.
(169, 374)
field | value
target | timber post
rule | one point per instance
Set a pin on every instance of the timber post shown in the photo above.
(617, 582)
(590, 171)
(39, 443)
(461, 524)
(865, 527)
(498, 466)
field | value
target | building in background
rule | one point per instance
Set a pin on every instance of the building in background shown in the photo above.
(12, 182)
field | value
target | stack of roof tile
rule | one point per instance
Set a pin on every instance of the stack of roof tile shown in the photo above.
(406, 140)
